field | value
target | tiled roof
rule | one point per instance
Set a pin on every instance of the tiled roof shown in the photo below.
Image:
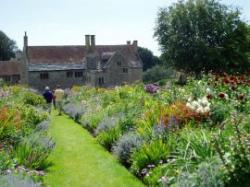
(75, 54)
(10, 68)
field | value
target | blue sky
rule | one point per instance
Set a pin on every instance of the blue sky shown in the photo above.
(65, 22)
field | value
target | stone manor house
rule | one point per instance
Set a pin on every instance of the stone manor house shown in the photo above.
(89, 64)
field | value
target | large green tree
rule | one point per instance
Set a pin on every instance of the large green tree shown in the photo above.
(197, 35)
(7, 47)
(148, 58)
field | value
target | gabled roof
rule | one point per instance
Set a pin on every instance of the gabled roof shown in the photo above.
(10, 68)
(75, 54)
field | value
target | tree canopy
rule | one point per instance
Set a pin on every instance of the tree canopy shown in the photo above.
(197, 35)
(148, 58)
(7, 47)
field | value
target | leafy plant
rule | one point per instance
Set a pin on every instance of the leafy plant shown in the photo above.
(152, 153)
(125, 146)
(108, 138)
(5, 161)
(33, 151)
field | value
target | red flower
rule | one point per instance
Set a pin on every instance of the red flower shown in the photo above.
(221, 95)
(209, 96)
(241, 97)
(226, 81)
(233, 87)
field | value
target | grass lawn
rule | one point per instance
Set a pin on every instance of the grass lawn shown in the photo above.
(78, 160)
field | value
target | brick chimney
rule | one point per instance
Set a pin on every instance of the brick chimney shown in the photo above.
(128, 42)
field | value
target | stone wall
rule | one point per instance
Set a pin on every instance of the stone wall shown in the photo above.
(55, 78)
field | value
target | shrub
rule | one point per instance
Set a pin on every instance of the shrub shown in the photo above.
(106, 124)
(125, 146)
(10, 124)
(209, 173)
(234, 153)
(219, 113)
(43, 126)
(74, 110)
(5, 161)
(33, 99)
(157, 73)
(108, 138)
(152, 153)
(33, 151)
(195, 145)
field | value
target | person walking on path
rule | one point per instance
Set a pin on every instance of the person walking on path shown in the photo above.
(59, 94)
(48, 96)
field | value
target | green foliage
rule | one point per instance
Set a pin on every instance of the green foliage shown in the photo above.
(21, 114)
(33, 99)
(208, 173)
(125, 146)
(198, 35)
(33, 151)
(7, 47)
(152, 153)
(219, 113)
(5, 161)
(148, 58)
(234, 151)
(166, 138)
(157, 73)
(108, 138)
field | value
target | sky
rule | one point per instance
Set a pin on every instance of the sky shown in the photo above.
(65, 22)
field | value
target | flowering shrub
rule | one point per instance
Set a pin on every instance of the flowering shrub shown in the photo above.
(151, 88)
(201, 106)
(21, 117)
(167, 138)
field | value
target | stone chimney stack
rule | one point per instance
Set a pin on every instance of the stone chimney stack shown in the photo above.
(135, 43)
(92, 41)
(128, 42)
(25, 42)
(87, 41)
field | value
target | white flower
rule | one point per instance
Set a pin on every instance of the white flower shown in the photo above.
(189, 99)
(204, 101)
(208, 91)
(206, 109)
(188, 105)
(200, 110)
(195, 104)
(226, 96)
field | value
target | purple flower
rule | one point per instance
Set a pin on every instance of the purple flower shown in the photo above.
(151, 88)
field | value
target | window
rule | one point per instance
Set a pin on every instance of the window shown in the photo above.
(79, 74)
(125, 70)
(101, 81)
(69, 74)
(15, 78)
(119, 63)
(44, 76)
(5, 78)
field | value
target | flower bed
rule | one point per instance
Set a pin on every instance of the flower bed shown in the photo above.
(24, 144)
(195, 135)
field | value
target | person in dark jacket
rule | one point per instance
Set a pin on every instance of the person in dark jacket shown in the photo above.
(48, 96)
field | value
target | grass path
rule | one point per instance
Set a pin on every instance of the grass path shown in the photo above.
(78, 160)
